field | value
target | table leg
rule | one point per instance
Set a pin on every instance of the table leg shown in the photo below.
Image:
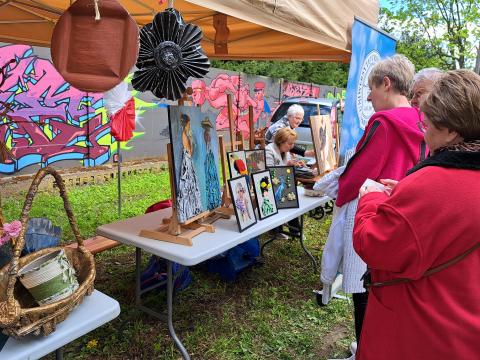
(59, 354)
(170, 312)
(302, 244)
(138, 271)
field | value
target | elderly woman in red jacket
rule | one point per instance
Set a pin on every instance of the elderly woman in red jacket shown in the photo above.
(421, 241)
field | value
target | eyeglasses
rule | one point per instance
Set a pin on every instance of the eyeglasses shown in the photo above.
(422, 126)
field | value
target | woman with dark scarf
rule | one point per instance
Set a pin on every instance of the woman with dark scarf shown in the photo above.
(422, 239)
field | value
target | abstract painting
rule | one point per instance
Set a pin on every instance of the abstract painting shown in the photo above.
(237, 164)
(195, 161)
(262, 184)
(255, 160)
(323, 143)
(284, 186)
(242, 203)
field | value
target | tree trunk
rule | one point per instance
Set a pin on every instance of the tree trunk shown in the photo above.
(477, 63)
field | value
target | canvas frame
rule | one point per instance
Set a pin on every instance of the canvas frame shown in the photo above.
(259, 194)
(176, 165)
(264, 159)
(324, 148)
(230, 164)
(231, 184)
(289, 204)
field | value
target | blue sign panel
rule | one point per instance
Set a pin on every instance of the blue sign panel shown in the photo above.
(369, 45)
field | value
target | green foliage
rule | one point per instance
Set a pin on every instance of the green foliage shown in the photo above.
(440, 33)
(96, 204)
(322, 73)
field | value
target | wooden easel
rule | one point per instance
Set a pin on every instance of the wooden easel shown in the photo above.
(182, 233)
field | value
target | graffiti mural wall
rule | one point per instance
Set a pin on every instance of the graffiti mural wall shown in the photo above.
(43, 120)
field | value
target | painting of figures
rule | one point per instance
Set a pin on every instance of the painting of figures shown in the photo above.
(255, 160)
(195, 161)
(237, 164)
(242, 203)
(284, 186)
(262, 183)
(323, 143)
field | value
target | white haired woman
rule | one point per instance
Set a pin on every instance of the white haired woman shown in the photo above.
(423, 83)
(422, 241)
(292, 120)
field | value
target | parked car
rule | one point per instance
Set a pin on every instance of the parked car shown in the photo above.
(310, 106)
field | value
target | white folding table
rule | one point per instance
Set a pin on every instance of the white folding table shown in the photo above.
(205, 246)
(95, 310)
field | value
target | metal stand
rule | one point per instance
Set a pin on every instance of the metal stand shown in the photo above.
(59, 354)
(295, 232)
(170, 282)
(119, 180)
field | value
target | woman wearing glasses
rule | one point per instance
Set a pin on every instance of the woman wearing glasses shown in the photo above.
(421, 241)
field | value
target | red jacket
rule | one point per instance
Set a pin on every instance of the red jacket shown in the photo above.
(432, 216)
(394, 148)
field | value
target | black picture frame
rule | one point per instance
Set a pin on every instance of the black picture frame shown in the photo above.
(290, 186)
(264, 159)
(259, 192)
(232, 186)
(230, 165)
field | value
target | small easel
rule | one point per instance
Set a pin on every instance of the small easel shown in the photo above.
(182, 233)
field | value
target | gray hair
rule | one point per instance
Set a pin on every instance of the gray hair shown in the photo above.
(295, 109)
(398, 69)
(431, 74)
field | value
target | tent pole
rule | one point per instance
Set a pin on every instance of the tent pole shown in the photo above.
(119, 180)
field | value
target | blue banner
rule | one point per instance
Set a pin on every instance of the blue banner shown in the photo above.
(369, 45)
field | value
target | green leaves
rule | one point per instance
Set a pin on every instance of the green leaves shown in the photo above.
(438, 33)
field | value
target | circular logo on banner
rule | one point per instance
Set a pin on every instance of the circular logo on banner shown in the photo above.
(364, 107)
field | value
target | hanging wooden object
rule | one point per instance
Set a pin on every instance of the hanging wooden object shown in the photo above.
(95, 44)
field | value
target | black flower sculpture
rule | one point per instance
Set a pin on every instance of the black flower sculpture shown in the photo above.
(169, 53)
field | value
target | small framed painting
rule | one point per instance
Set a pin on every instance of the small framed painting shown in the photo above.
(255, 160)
(242, 203)
(237, 164)
(284, 186)
(262, 185)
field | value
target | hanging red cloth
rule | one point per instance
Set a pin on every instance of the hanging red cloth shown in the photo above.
(123, 122)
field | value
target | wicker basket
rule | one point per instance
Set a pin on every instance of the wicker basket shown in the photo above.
(19, 314)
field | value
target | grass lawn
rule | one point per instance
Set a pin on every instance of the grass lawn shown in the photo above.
(269, 312)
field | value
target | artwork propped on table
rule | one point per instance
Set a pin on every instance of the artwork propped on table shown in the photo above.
(242, 203)
(195, 161)
(323, 143)
(237, 164)
(255, 160)
(262, 184)
(284, 186)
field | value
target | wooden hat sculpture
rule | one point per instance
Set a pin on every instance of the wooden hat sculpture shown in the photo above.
(170, 52)
(95, 44)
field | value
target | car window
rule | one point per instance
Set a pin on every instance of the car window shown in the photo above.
(309, 109)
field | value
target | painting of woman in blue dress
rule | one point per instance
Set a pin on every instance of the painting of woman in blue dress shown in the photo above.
(214, 198)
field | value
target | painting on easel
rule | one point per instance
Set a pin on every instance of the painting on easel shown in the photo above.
(195, 161)
(323, 143)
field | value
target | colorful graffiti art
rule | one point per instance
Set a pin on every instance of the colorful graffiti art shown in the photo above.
(216, 96)
(48, 120)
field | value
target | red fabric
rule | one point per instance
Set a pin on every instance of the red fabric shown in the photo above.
(432, 217)
(123, 122)
(165, 204)
(392, 150)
